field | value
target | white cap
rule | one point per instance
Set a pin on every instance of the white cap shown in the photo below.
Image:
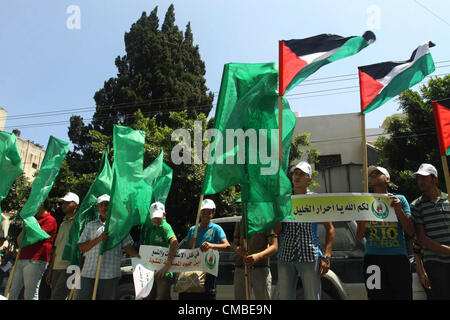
(381, 169)
(157, 210)
(425, 169)
(208, 204)
(103, 198)
(71, 197)
(305, 167)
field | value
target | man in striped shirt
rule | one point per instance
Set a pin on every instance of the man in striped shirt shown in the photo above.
(431, 214)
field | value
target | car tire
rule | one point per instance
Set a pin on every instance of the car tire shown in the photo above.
(125, 291)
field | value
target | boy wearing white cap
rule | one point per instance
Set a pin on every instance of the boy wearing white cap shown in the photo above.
(90, 241)
(209, 236)
(431, 214)
(161, 234)
(57, 276)
(386, 245)
(299, 252)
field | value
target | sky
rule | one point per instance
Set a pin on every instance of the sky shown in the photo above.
(55, 54)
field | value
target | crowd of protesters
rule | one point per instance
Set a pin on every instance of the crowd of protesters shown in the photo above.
(296, 245)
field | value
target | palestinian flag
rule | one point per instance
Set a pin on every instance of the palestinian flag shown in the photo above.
(381, 82)
(298, 59)
(441, 110)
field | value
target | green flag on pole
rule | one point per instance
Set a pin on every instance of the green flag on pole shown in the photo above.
(87, 211)
(130, 196)
(158, 176)
(10, 162)
(54, 156)
(245, 146)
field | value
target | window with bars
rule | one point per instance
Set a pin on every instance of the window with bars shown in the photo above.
(328, 161)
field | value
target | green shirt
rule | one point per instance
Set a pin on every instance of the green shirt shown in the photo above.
(159, 236)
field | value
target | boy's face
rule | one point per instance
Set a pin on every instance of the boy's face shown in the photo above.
(102, 208)
(426, 183)
(300, 179)
(157, 221)
(377, 177)
(206, 215)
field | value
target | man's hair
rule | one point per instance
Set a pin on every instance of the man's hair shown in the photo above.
(46, 204)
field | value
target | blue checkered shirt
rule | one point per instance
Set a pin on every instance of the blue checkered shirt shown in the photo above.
(110, 267)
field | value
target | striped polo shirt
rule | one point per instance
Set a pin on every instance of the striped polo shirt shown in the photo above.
(435, 218)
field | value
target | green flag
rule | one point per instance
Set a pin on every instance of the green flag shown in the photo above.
(10, 162)
(87, 211)
(158, 176)
(130, 195)
(54, 156)
(247, 111)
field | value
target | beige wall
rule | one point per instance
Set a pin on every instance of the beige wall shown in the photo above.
(3, 114)
(334, 134)
(32, 156)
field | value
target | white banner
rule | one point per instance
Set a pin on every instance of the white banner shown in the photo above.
(184, 260)
(143, 278)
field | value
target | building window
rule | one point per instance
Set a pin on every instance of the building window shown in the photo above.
(34, 165)
(328, 161)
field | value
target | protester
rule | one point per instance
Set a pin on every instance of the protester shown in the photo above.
(57, 274)
(431, 214)
(299, 250)
(386, 244)
(261, 246)
(90, 242)
(420, 269)
(209, 236)
(162, 235)
(33, 259)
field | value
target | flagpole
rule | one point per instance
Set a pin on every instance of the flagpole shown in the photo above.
(11, 277)
(196, 221)
(364, 152)
(94, 294)
(247, 287)
(446, 174)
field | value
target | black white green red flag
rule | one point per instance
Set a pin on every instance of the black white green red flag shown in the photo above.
(381, 82)
(300, 58)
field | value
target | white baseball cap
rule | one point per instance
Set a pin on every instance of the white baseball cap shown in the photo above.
(157, 210)
(103, 198)
(425, 169)
(381, 169)
(305, 167)
(208, 204)
(71, 197)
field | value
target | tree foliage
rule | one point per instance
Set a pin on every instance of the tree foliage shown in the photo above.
(413, 138)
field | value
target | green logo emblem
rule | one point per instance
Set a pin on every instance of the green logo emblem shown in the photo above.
(210, 260)
(379, 209)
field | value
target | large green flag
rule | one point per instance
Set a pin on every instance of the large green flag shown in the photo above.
(158, 176)
(245, 146)
(10, 162)
(88, 210)
(130, 194)
(54, 156)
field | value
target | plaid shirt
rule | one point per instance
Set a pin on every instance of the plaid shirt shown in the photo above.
(299, 241)
(110, 267)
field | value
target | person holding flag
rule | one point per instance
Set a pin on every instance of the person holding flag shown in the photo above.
(386, 244)
(431, 214)
(161, 234)
(33, 259)
(57, 275)
(209, 236)
(90, 242)
(299, 249)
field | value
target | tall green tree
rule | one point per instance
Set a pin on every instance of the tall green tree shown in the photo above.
(413, 139)
(161, 71)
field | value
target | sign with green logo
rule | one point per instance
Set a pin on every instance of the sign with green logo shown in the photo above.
(154, 258)
(341, 207)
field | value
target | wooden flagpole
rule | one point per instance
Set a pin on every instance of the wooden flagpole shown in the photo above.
(196, 221)
(99, 264)
(364, 152)
(11, 277)
(245, 243)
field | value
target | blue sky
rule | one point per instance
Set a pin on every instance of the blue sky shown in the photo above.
(47, 67)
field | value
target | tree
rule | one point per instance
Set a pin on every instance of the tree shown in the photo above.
(161, 71)
(413, 138)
